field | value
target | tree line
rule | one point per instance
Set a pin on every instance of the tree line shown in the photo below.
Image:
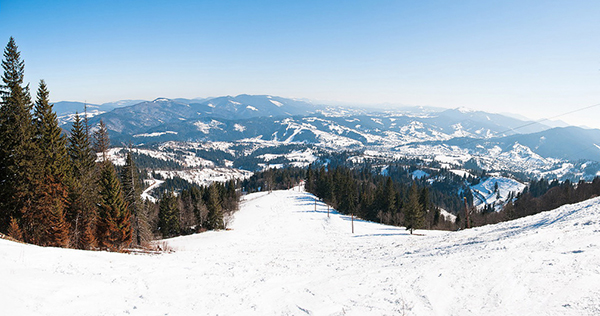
(373, 197)
(196, 209)
(63, 191)
(539, 196)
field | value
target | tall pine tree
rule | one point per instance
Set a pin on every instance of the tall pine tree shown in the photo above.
(83, 187)
(18, 172)
(413, 212)
(48, 215)
(215, 208)
(114, 219)
(168, 215)
(132, 195)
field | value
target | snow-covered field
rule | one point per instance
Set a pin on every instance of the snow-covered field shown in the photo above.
(284, 258)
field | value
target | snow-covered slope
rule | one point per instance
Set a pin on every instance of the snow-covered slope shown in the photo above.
(495, 191)
(284, 258)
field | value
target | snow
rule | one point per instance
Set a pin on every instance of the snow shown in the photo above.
(419, 174)
(206, 127)
(239, 128)
(447, 215)
(463, 109)
(484, 192)
(206, 176)
(153, 185)
(297, 158)
(284, 258)
(461, 173)
(155, 134)
(277, 103)
(250, 107)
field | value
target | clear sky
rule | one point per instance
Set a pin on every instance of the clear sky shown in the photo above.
(534, 58)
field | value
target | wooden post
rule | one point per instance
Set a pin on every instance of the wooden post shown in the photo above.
(352, 215)
(468, 224)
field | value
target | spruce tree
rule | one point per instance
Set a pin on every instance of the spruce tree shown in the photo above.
(114, 219)
(215, 209)
(14, 230)
(101, 140)
(132, 195)
(50, 141)
(168, 215)
(413, 212)
(83, 187)
(50, 222)
(18, 174)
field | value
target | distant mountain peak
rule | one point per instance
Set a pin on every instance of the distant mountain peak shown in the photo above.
(161, 100)
(463, 109)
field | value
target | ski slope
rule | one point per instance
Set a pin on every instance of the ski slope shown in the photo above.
(284, 258)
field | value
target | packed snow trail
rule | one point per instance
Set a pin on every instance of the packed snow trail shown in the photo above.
(284, 258)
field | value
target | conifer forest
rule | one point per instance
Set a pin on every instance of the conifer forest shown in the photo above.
(58, 188)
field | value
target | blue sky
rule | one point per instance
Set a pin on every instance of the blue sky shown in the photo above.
(534, 58)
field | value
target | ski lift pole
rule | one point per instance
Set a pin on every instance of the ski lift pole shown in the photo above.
(467, 225)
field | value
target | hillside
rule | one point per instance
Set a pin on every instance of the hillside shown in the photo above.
(283, 258)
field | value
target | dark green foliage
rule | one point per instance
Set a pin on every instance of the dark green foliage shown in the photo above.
(168, 216)
(375, 197)
(114, 219)
(45, 220)
(50, 141)
(196, 208)
(130, 178)
(83, 187)
(148, 162)
(18, 168)
(273, 179)
(215, 208)
(413, 210)
(101, 140)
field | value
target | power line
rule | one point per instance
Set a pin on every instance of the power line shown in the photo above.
(551, 118)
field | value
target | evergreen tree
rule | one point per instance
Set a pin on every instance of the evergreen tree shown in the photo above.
(101, 140)
(51, 205)
(168, 215)
(83, 187)
(114, 219)
(215, 210)
(413, 212)
(51, 196)
(132, 195)
(14, 230)
(50, 141)
(18, 176)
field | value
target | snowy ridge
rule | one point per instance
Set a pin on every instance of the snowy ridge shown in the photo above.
(284, 258)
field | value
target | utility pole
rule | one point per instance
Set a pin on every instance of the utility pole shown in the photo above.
(468, 224)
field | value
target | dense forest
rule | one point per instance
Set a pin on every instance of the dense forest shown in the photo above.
(62, 190)
(375, 197)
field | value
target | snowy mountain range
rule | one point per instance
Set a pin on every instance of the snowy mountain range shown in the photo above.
(460, 136)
